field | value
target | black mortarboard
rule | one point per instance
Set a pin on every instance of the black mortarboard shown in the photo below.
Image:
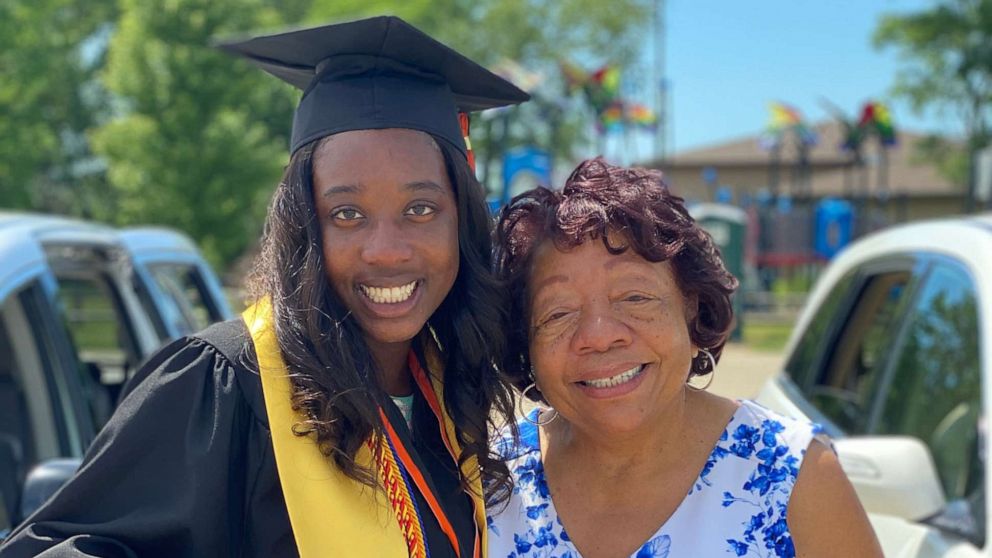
(376, 73)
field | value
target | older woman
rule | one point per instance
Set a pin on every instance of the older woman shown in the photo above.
(622, 303)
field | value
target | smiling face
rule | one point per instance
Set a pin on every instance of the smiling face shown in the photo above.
(389, 225)
(609, 339)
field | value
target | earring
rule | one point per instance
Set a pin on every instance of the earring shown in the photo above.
(708, 355)
(542, 410)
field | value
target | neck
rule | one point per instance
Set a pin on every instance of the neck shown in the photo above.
(635, 454)
(390, 358)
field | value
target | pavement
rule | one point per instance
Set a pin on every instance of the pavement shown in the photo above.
(743, 370)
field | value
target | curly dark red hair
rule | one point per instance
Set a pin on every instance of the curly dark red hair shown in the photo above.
(599, 198)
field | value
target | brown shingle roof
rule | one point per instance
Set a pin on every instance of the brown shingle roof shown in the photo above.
(906, 173)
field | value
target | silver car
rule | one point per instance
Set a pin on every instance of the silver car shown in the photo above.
(81, 306)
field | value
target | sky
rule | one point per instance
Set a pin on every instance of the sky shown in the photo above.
(727, 60)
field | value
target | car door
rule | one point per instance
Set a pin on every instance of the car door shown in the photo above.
(893, 349)
(931, 389)
(835, 369)
(105, 320)
(42, 412)
(177, 287)
(180, 296)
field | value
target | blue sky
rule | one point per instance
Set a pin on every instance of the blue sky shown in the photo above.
(727, 60)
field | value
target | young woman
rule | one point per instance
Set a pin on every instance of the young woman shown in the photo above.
(346, 415)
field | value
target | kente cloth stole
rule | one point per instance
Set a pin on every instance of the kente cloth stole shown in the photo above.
(332, 514)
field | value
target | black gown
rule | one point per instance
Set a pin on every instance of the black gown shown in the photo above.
(185, 467)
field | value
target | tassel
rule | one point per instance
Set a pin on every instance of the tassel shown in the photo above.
(463, 120)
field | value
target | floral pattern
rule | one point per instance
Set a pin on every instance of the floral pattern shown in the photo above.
(743, 492)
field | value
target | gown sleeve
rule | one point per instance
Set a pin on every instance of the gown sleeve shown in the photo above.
(165, 477)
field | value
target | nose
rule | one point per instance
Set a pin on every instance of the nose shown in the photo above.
(386, 245)
(599, 331)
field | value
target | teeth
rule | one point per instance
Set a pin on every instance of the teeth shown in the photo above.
(389, 295)
(621, 378)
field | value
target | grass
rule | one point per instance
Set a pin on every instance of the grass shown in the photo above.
(766, 336)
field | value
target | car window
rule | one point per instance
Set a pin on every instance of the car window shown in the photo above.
(17, 448)
(843, 389)
(935, 389)
(102, 335)
(188, 308)
(802, 365)
(38, 413)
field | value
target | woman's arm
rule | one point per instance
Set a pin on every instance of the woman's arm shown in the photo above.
(825, 516)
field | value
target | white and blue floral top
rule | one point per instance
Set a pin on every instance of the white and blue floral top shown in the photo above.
(736, 507)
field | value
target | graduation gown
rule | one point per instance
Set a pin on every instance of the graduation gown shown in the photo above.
(186, 467)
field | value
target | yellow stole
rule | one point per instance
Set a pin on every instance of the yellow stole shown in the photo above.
(332, 514)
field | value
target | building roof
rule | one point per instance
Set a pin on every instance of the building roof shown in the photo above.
(906, 173)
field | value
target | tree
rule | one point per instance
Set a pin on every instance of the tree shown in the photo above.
(947, 51)
(201, 139)
(49, 97)
(534, 33)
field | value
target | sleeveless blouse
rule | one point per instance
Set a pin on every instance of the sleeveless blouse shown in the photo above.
(736, 507)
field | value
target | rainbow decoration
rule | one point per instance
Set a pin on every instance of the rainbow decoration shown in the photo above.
(641, 116)
(612, 119)
(608, 79)
(575, 77)
(601, 89)
(783, 118)
(875, 117)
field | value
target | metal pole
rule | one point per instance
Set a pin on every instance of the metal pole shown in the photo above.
(660, 81)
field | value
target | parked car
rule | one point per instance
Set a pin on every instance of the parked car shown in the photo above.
(891, 355)
(81, 306)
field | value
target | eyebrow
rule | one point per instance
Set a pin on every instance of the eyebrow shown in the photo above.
(343, 189)
(420, 185)
(548, 281)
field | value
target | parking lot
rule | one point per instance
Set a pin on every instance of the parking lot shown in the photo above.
(742, 370)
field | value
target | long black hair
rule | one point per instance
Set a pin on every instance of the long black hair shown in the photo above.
(333, 373)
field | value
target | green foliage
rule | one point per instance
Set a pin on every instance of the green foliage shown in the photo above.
(947, 52)
(120, 110)
(48, 98)
(534, 33)
(950, 159)
(201, 139)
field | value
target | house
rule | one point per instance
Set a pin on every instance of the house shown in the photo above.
(893, 186)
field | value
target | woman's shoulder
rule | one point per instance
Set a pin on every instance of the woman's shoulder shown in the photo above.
(758, 432)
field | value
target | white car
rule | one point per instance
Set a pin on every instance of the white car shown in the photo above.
(891, 355)
(81, 306)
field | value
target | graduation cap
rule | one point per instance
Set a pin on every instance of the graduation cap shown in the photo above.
(377, 73)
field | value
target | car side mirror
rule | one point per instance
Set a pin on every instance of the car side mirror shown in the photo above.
(893, 475)
(44, 481)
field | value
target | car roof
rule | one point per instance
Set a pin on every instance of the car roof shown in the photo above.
(965, 239)
(23, 236)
